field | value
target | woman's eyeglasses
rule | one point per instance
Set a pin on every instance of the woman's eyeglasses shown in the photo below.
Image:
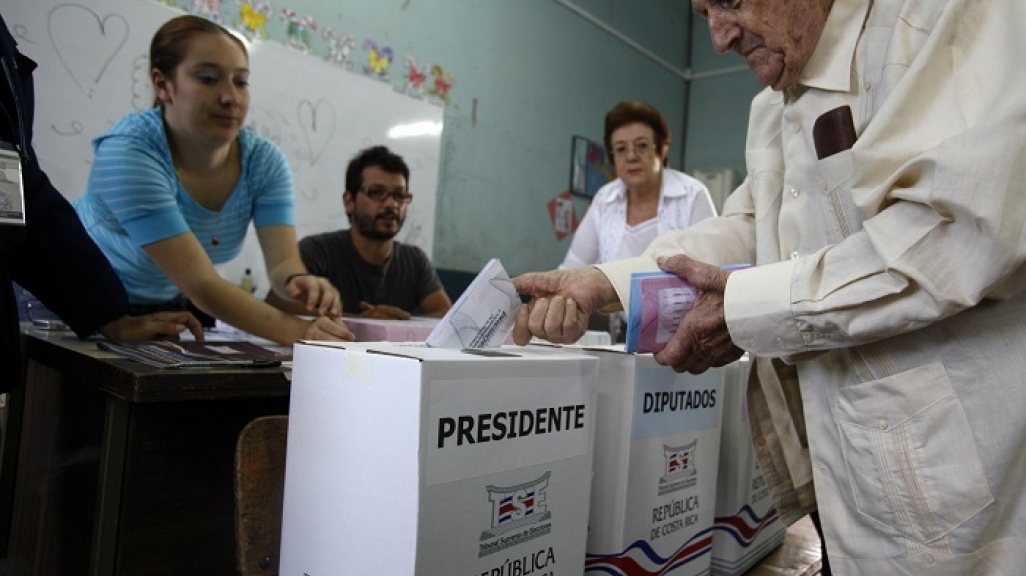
(379, 193)
(642, 148)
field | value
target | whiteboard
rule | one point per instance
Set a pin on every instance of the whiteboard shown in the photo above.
(93, 69)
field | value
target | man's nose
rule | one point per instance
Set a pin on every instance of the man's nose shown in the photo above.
(724, 31)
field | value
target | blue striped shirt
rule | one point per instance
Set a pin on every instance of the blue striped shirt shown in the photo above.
(133, 198)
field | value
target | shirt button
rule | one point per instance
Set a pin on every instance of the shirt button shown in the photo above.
(928, 558)
(882, 424)
(796, 127)
(794, 192)
(794, 255)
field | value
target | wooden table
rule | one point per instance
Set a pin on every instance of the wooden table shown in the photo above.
(122, 468)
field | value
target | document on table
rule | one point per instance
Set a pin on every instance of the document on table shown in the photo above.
(483, 315)
(164, 354)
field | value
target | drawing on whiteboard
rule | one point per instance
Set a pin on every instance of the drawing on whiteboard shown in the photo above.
(268, 123)
(142, 88)
(378, 59)
(22, 34)
(74, 129)
(71, 25)
(318, 124)
(339, 47)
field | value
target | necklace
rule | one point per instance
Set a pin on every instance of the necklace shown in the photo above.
(221, 186)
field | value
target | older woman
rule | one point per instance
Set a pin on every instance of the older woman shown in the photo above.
(646, 199)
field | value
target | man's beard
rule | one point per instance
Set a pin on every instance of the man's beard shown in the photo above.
(368, 226)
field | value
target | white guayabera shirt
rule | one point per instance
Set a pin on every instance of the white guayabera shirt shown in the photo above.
(890, 285)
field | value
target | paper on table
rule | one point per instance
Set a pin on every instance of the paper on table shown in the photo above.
(483, 315)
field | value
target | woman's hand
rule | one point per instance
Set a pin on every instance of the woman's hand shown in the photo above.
(316, 293)
(328, 328)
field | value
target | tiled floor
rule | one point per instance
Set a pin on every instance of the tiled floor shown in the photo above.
(799, 555)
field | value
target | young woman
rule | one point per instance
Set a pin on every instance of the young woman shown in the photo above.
(646, 199)
(173, 189)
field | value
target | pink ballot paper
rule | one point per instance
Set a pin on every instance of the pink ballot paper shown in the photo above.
(659, 301)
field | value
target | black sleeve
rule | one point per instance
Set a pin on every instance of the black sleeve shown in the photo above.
(61, 265)
(52, 257)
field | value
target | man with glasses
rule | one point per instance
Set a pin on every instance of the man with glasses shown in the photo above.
(378, 276)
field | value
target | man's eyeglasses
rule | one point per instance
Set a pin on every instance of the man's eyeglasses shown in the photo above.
(380, 193)
(642, 148)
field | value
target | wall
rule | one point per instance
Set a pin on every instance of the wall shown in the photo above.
(719, 98)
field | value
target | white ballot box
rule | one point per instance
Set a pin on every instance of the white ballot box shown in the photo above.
(657, 446)
(406, 460)
(747, 527)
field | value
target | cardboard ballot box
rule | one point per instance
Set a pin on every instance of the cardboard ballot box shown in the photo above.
(656, 453)
(407, 460)
(747, 527)
(381, 330)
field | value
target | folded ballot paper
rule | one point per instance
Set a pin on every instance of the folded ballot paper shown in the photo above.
(658, 302)
(483, 315)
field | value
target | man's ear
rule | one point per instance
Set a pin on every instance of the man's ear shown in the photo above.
(348, 202)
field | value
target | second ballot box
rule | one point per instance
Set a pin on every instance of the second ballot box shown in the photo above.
(657, 446)
(406, 460)
(747, 527)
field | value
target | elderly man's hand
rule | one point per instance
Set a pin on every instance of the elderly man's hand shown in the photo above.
(701, 340)
(563, 302)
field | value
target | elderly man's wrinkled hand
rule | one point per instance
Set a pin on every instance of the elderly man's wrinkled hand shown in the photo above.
(562, 303)
(702, 340)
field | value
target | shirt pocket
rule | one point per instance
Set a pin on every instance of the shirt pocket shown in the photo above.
(910, 454)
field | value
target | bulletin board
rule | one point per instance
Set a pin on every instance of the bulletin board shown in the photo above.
(93, 69)
(589, 167)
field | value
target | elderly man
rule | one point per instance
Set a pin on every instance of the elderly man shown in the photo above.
(883, 211)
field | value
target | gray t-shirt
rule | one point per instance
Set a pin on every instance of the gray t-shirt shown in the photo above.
(403, 281)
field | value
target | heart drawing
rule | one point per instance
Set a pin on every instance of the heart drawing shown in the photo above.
(318, 122)
(86, 43)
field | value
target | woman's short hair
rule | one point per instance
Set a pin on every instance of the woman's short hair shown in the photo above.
(171, 42)
(635, 112)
